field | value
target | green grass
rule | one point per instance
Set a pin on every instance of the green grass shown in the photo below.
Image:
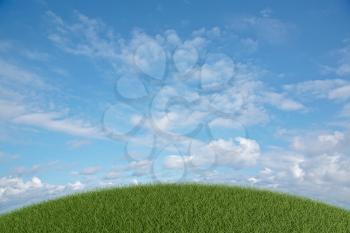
(178, 208)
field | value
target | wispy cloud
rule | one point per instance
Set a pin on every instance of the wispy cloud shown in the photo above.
(346, 110)
(36, 55)
(78, 143)
(321, 88)
(88, 171)
(36, 168)
(282, 102)
(342, 58)
(7, 156)
(96, 40)
(341, 93)
(265, 27)
(57, 122)
(19, 105)
(11, 74)
(5, 45)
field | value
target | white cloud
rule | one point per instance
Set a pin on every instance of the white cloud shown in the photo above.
(266, 12)
(89, 171)
(36, 168)
(185, 58)
(253, 180)
(17, 111)
(78, 143)
(150, 57)
(134, 55)
(141, 167)
(321, 143)
(238, 153)
(13, 47)
(282, 102)
(315, 165)
(314, 176)
(265, 27)
(346, 110)
(27, 171)
(36, 55)
(245, 153)
(55, 121)
(76, 186)
(7, 156)
(342, 68)
(5, 45)
(16, 192)
(336, 90)
(112, 175)
(14, 74)
(250, 44)
(316, 88)
(341, 93)
(216, 71)
(10, 109)
(23, 95)
(174, 116)
(333, 139)
(176, 161)
(96, 40)
(329, 170)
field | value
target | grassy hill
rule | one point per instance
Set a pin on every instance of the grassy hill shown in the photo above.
(178, 208)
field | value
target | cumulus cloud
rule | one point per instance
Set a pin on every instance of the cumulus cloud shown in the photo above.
(315, 165)
(15, 191)
(314, 176)
(321, 143)
(238, 153)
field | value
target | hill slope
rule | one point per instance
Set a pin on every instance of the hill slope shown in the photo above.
(178, 208)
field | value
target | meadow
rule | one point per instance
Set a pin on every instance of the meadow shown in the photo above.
(177, 208)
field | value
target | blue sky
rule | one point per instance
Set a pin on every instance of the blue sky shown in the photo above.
(95, 95)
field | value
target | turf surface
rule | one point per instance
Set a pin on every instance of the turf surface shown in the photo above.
(177, 208)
